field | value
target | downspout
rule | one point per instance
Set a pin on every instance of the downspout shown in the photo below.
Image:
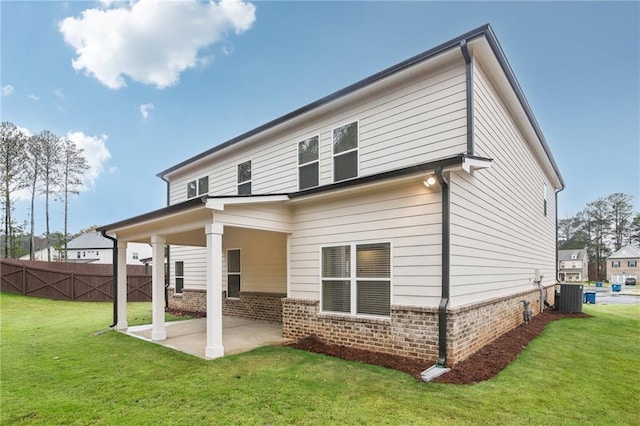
(446, 268)
(468, 61)
(115, 277)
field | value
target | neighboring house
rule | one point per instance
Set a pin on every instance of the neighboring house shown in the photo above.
(573, 265)
(623, 264)
(92, 247)
(43, 256)
(410, 213)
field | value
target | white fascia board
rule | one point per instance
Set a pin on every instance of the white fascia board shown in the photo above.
(219, 203)
(471, 164)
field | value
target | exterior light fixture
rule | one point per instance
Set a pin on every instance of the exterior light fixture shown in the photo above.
(431, 180)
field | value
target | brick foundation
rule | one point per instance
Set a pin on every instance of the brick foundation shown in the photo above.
(256, 306)
(250, 305)
(412, 331)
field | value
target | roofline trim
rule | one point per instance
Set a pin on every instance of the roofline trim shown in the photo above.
(215, 202)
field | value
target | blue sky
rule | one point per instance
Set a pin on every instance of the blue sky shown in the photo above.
(209, 75)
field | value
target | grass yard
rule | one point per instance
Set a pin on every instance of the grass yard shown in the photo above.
(61, 365)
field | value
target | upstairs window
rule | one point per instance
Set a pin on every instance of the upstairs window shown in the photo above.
(345, 152)
(198, 187)
(308, 163)
(244, 178)
(356, 279)
(632, 264)
(615, 263)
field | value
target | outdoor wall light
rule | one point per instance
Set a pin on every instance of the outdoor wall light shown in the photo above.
(431, 180)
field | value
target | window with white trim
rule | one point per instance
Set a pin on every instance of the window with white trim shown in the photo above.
(356, 279)
(632, 264)
(135, 255)
(544, 197)
(233, 273)
(179, 276)
(244, 178)
(345, 152)
(308, 163)
(615, 263)
(198, 187)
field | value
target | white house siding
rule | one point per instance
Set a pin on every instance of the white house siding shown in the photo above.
(263, 261)
(195, 266)
(400, 124)
(499, 234)
(407, 215)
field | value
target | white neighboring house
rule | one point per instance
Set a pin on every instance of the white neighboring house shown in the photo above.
(573, 265)
(92, 247)
(43, 256)
(410, 213)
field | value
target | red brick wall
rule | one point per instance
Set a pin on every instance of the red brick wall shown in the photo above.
(257, 306)
(412, 331)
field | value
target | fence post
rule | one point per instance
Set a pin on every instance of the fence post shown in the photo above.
(24, 279)
(73, 286)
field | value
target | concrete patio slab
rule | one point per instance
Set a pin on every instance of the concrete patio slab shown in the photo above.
(190, 336)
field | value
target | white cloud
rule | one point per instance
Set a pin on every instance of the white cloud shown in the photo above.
(144, 110)
(58, 93)
(96, 153)
(150, 41)
(25, 131)
(7, 90)
(33, 97)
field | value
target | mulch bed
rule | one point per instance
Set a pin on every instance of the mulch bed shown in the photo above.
(185, 314)
(482, 365)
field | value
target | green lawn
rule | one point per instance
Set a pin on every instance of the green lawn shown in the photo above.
(59, 365)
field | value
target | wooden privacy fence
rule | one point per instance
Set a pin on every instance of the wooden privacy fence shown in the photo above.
(71, 281)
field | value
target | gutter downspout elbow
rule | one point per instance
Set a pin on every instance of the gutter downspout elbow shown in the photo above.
(446, 267)
(115, 278)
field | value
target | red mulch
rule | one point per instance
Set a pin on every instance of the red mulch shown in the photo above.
(482, 365)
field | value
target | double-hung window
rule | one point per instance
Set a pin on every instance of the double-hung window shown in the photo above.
(356, 279)
(615, 263)
(233, 273)
(198, 187)
(308, 163)
(179, 269)
(632, 264)
(244, 178)
(345, 152)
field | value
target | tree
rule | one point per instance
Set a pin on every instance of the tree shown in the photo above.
(33, 172)
(634, 230)
(11, 172)
(598, 221)
(572, 234)
(51, 160)
(74, 165)
(621, 209)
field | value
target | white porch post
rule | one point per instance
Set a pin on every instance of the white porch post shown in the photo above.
(158, 331)
(214, 348)
(122, 286)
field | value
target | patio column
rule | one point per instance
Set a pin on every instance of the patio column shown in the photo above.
(158, 331)
(122, 286)
(214, 348)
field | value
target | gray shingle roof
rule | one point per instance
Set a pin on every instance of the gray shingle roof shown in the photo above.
(90, 240)
(628, 252)
(568, 254)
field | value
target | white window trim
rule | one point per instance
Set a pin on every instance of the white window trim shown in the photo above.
(233, 273)
(246, 181)
(353, 279)
(176, 276)
(196, 181)
(333, 155)
(310, 162)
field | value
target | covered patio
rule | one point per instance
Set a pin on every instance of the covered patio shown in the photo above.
(190, 336)
(199, 222)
